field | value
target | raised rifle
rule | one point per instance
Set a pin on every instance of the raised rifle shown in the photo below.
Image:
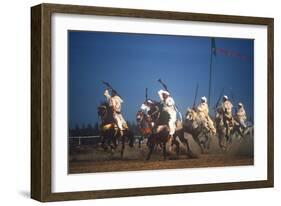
(163, 84)
(195, 97)
(110, 87)
(166, 88)
(146, 90)
(218, 101)
(233, 101)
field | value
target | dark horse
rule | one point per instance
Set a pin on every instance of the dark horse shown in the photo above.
(144, 126)
(110, 133)
(157, 134)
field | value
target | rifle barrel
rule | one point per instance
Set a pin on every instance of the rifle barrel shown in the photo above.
(195, 97)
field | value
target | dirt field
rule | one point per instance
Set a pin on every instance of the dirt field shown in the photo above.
(90, 158)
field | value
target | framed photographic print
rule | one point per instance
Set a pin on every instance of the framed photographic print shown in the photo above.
(130, 102)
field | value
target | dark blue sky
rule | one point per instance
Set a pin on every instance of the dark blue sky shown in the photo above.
(132, 62)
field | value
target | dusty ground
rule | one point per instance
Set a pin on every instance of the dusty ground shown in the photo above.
(90, 158)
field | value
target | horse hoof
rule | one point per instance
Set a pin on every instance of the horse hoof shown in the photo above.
(224, 149)
(173, 158)
(191, 155)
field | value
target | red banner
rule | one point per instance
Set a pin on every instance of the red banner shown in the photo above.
(231, 53)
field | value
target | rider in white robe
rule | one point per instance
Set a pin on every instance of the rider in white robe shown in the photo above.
(169, 107)
(203, 111)
(115, 103)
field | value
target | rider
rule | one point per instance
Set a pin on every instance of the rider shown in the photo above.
(241, 116)
(226, 110)
(169, 106)
(115, 103)
(151, 111)
(203, 111)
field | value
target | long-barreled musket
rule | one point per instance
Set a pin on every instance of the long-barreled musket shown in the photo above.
(110, 87)
(163, 84)
(219, 99)
(195, 97)
(146, 90)
(233, 100)
(166, 88)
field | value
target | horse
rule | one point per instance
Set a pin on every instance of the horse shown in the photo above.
(144, 126)
(225, 133)
(225, 138)
(109, 132)
(194, 126)
(157, 134)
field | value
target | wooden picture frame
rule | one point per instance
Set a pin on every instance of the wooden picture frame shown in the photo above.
(41, 173)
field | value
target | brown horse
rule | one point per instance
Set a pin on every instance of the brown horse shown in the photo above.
(109, 132)
(156, 131)
(144, 126)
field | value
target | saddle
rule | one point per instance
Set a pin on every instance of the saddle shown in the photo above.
(109, 126)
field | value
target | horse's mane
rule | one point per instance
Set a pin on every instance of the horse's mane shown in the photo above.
(159, 105)
(104, 104)
(164, 118)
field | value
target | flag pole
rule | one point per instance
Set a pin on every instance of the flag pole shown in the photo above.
(210, 74)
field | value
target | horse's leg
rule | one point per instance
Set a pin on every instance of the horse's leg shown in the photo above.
(177, 147)
(224, 142)
(246, 133)
(190, 154)
(208, 142)
(185, 141)
(103, 143)
(195, 137)
(111, 140)
(241, 133)
(231, 133)
(164, 150)
(170, 144)
(139, 142)
(220, 138)
(131, 138)
(151, 147)
(123, 146)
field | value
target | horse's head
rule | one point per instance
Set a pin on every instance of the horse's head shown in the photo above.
(102, 110)
(191, 114)
(192, 118)
(105, 112)
(144, 123)
(139, 116)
